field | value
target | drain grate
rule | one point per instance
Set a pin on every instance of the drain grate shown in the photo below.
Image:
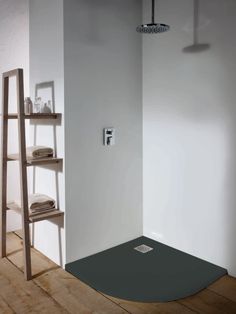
(143, 248)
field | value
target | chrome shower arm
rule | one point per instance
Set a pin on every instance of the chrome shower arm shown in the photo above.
(153, 11)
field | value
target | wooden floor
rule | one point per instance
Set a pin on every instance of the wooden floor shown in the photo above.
(55, 291)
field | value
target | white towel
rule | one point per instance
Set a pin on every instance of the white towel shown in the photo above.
(39, 202)
(39, 152)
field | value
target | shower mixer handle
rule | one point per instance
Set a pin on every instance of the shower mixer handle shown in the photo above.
(109, 136)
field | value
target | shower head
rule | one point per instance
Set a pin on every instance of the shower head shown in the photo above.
(152, 28)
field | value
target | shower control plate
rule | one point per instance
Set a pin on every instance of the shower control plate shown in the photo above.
(109, 136)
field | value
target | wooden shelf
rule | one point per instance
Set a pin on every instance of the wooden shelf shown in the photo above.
(45, 216)
(36, 161)
(35, 116)
(35, 217)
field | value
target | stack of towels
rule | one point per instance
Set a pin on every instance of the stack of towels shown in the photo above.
(39, 203)
(38, 152)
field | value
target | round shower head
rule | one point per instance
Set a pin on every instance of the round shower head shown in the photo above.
(152, 28)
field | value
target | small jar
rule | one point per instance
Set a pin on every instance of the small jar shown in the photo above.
(46, 109)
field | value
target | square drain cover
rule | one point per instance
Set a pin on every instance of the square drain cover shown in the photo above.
(143, 248)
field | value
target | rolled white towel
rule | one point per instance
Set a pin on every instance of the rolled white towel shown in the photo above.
(39, 152)
(39, 202)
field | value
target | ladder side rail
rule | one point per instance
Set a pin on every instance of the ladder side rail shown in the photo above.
(23, 175)
(3, 218)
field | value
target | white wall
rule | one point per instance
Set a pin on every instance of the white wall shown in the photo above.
(103, 88)
(189, 132)
(189, 123)
(14, 53)
(46, 64)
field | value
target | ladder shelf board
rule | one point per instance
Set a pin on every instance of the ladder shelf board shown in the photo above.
(35, 217)
(36, 161)
(11, 73)
(36, 116)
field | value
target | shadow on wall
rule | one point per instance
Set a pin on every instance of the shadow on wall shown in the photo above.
(196, 46)
(222, 113)
(48, 88)
(189, 133)
(230, 208)
(39, 87)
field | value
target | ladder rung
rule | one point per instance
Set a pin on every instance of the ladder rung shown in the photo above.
(36, 116)
(35, 217)
(36, 161)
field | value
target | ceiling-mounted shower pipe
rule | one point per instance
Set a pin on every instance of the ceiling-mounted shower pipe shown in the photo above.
(153, 11)
(153, 28)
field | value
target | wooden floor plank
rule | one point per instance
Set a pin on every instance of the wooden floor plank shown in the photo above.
(40, 263)
(74, 295)
(14, 243)
(65, 289)
(24, 296)
(18, 232)
(210, 303)
(152, 308)
(225, 286)
(4, 307)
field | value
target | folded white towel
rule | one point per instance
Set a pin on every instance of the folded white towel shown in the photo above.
(39, 202)
(39, 152)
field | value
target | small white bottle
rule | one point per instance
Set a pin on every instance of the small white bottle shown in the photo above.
(28, 105)
(37, 105)
(41, 105)
(50, 106)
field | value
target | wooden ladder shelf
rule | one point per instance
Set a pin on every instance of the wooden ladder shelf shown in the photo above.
(27, 218)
